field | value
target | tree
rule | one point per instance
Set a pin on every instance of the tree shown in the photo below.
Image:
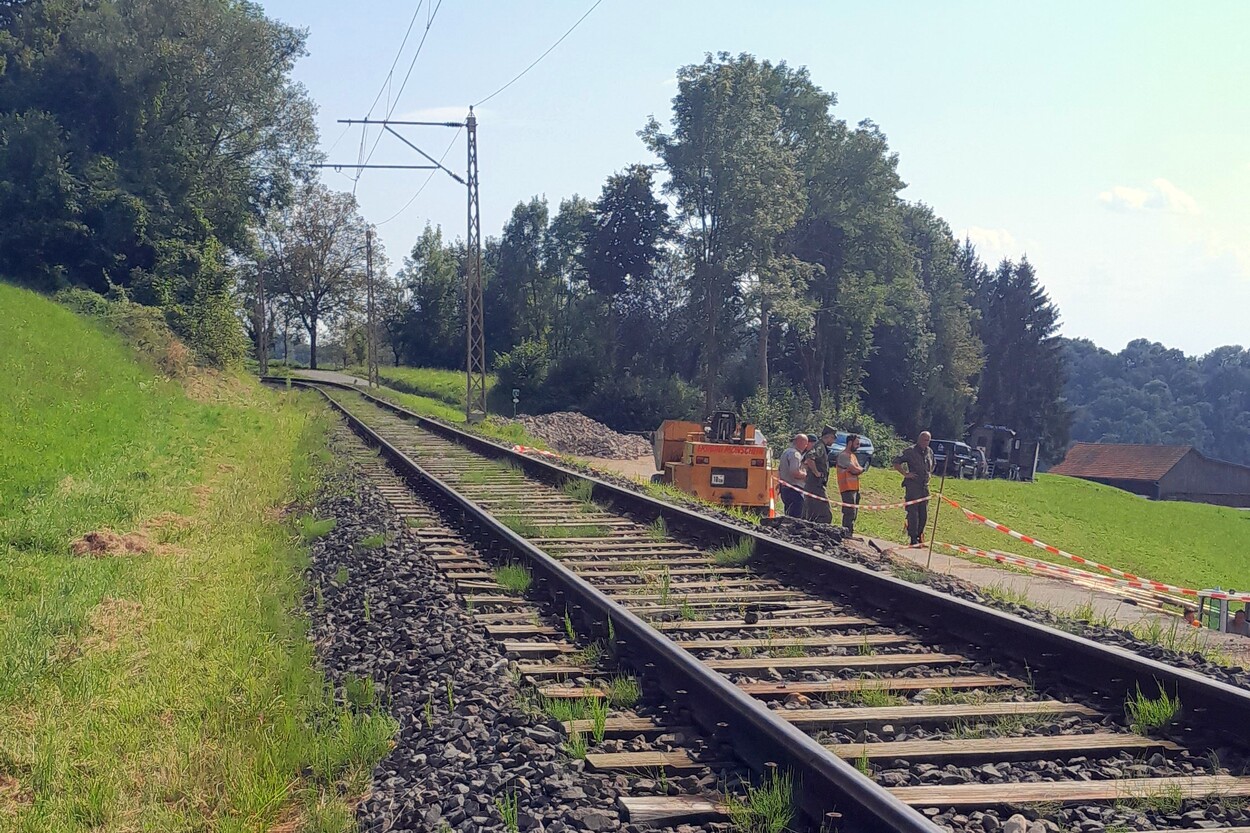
(736, 186)
(1021, 384)
(316, 249)
(432, 327)
(954, 357)
(140, 141)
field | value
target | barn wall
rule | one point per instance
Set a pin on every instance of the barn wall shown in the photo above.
(1195, 477)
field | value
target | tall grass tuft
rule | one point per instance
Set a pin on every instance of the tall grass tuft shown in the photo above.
(736, 554)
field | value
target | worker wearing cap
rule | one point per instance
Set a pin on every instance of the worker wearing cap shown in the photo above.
(793, 476)
(918, 460)
(816, 462)
(849, 471)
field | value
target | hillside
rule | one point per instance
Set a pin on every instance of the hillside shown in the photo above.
(173, 639)
(1181, 543)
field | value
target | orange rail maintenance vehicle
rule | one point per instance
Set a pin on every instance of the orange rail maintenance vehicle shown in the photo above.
(721, 461)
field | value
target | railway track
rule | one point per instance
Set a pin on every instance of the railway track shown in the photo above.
(893, 707)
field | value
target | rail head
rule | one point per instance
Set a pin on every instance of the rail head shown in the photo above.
(1208, 703)
(825, 782)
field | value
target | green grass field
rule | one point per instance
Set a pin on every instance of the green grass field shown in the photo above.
(171, 689)
(1181, 543)
(445, 386)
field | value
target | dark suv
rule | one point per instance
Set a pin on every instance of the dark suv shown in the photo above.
(952, 458)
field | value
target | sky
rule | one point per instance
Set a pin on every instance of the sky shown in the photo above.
(1109, 142)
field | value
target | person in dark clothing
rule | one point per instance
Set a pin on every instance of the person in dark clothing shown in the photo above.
(816, 464)
(916, 465)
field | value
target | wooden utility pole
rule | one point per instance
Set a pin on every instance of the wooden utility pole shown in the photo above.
(262, 323)
(371, 331)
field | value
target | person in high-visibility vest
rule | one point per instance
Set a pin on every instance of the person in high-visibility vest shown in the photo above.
(849, 471)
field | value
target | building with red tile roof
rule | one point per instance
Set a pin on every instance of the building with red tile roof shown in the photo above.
(1160, 472)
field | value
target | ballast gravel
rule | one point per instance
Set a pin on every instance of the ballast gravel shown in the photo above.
(574, 433)
(464, 744)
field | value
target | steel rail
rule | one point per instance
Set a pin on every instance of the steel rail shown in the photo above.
(824, 782)
(1112, 672)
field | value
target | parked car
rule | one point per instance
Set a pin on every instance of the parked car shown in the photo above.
(864, 453)
(952, 458)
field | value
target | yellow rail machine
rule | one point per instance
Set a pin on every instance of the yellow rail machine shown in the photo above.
(721, 461)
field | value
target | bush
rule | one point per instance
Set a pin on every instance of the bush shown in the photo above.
(784, 411)
(524, 366)
(641, 403)
(144, 328)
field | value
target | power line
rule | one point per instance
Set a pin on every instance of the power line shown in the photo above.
(540, 57)
(395, 101)
(427, 180)
(360, 156)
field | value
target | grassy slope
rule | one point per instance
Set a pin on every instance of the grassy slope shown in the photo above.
(1181, 543)
(445, 386)
(174, 691)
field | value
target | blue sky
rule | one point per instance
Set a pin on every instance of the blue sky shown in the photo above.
(1109, 141)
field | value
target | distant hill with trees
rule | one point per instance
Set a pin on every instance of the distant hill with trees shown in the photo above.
(1148, 393)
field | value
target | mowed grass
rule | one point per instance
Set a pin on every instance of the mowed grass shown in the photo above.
(1191, 544)
(445, 386)
(172, 690)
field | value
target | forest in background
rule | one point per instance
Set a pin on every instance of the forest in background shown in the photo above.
(158, 151)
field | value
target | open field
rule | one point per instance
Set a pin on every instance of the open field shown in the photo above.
(1181, 543)
(445, 386)
(171, 687)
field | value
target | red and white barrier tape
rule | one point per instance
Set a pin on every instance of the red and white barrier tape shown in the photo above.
(1128, 578)
(869, 506)
(525, 449)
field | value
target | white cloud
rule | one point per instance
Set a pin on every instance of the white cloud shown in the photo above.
(992, 244)
(669, 82)
(1162, 195)
(990, 238)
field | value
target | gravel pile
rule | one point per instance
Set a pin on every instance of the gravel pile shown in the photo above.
(463, 740)
(573, 433)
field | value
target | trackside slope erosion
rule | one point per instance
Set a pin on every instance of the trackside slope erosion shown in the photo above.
(163, 683)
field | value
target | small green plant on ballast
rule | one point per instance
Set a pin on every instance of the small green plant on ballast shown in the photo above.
(768, 808)
(576, 745)
(580, 490)
(658, 530)
(509, 805)
(311, 528)
(624, 692)
(1147, 713)
(569, 630)
(521, 526)
(372, 542)
(862, 764)
(598, 708)
(340, 576)
(734, 555)
(515, 578)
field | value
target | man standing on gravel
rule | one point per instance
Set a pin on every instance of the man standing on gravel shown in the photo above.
(849, 471)
(919, 462)
(791, 473)
(815, 506)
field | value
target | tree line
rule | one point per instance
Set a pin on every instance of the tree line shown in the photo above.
(768, 263)
(1148, 393)
(160, 151)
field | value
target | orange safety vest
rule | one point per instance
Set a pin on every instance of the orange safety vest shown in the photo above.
(847, 482)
